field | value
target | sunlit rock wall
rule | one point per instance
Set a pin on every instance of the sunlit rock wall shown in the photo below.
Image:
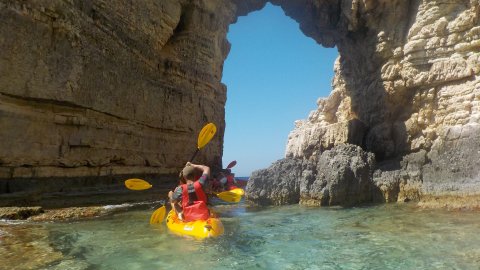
(407, 88)
(93, 91)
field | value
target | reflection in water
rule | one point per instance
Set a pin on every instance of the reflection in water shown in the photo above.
(290, 237)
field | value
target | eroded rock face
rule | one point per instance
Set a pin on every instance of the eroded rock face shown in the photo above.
(340, 176)
(409, 72)
(94, 91)
(277, 185)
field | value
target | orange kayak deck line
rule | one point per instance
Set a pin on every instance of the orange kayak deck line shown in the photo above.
(199, 229)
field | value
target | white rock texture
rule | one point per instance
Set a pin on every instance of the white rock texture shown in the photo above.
(409, 72)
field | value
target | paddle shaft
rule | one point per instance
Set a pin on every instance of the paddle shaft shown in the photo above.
(194, 155)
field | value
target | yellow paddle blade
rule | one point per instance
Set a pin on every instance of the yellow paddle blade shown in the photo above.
(158, 215)
(137, 184)
(229, 196)
(206, 134)
(238, 191)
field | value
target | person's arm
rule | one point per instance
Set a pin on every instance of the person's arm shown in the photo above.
(203, 168)
(175, 198)
(205, 172)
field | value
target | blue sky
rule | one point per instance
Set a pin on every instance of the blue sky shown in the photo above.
(274, 75)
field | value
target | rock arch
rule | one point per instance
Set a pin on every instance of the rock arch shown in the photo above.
(92, 92)
(406, 88)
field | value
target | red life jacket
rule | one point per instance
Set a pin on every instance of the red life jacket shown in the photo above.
(194, 210)
(231, 182)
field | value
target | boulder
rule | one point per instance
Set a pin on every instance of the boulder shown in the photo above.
(341, 176)
(277, 184)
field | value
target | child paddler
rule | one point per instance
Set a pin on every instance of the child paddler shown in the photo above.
(191, 194)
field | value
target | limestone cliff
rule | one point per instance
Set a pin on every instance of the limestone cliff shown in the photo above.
(407, 88)
(94, 91)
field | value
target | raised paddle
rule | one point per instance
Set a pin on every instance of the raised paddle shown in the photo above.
(206, 134)
(231, 164)
(137, 184)
(204, 137)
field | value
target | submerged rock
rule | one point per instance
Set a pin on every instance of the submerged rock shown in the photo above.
(26, 247)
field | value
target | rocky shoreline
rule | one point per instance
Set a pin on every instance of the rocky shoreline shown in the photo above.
(83, 205)
(346, 175)
(90, 93)
(39, 214)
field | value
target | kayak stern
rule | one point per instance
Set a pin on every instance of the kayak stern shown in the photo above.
(200, 229)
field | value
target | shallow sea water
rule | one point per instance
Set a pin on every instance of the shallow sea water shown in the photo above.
(290, 237)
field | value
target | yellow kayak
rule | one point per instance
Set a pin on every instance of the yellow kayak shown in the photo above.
(238, 191)
(199, 229)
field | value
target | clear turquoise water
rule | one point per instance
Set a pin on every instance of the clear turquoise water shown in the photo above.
(290, 237)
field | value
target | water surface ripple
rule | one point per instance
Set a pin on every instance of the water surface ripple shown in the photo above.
(290, 237)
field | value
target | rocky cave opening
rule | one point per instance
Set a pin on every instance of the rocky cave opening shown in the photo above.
(274, 74)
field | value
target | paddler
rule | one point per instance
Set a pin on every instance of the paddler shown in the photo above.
(227, 180)
(190, 193)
